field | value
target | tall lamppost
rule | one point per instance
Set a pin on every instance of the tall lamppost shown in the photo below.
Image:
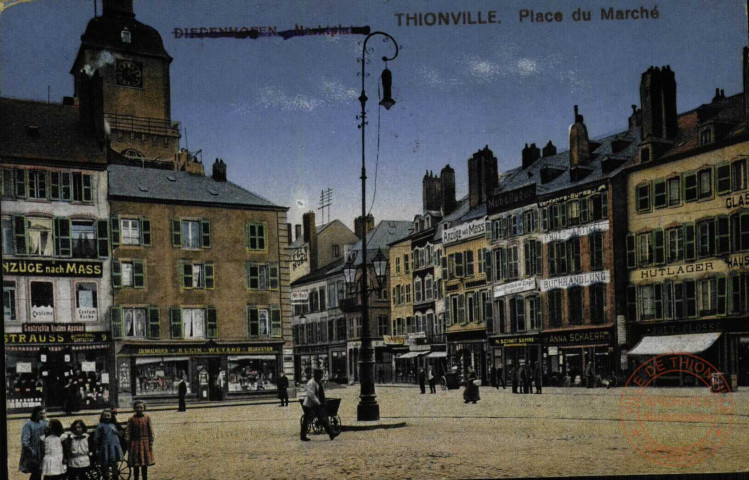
(368, 409)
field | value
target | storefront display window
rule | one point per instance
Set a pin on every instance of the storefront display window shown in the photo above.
(42, 302)
(249, 373)
(9, 301)
(86, 302)
(160, 375)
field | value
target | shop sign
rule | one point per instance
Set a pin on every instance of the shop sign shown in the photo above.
(299, 297)
(55, 333)
(515, 341)
(105, 378)
(739, 200)
(515, 287)
(213, 349)
(394, 339)
(475, 283)
(573, 195)
(46, 313)
(475, 228)
(298, 256)
(52, 268)
(553, 351)
(53, 328)
(579, 337)
(512, 199)
(85, 314)
(581, 280)
(695, 267)
(581, 231)
(419, 348)
(678, 328)
(23, 367)
(88, 366)
(738, 261)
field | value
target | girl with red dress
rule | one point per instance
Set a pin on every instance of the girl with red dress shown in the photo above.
(140, 441)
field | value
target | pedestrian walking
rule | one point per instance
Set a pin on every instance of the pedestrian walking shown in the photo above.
(107, 441)
(314, 406)
(53, 467)
(283, 390)
(432, 380)
(525, 378)
(139, 438)
(381, 375)
(538, 374)
(493, 377)
(182, 392)
(32, 449)
(500, 377)
(75, 445)
(590, 376)
(422, 380)
(69, 395)
(471, 392)
(220, 384)
(515, 378)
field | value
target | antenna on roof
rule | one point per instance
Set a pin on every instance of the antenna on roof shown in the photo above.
(326, 200)
(187, 147)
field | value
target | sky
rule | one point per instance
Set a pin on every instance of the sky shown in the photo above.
(282, 113)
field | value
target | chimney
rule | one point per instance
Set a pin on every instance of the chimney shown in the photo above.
(447, 189)
(579, 142)
(194, 167)
(91, 110)
(219, 170)
(549, 150)
(482, 176)
(297, 231)
(635, 120)
(670, 125)
(431, 192)
(361, 227)
(530, 155)
(119, 8)
(658, 101)
(310, 237)
(289, 233)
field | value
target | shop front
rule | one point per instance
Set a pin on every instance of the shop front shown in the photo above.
(567, 353)
(212, 371)
(59, 366)
(309, 358)
(514, 351)
(467, 351)
(338, 363)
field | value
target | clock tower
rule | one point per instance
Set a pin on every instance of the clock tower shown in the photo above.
(121, 76)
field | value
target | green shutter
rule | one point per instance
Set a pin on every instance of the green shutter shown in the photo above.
(54, 185)
(209, 275)
(722, 287)
(62, 237)
(175, 322)
(19, 232)
(176, 233)
(116, 273)
(205, 233)
(139, 274)
(185, 274)
(211, 322)
(145, 231)
(102, 237)
(631, 252)
(87, 188)
(20, 183)
(115, 318)
(154, 331)
(689, 250)
(273, 276)
(115, 222)
(253, 321)
(65, 191)
(275, 321)
(261, 232)
(659, 249)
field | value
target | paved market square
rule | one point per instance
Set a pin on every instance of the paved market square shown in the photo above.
(563, 432)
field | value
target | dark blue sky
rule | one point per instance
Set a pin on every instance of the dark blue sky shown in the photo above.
(281, 113)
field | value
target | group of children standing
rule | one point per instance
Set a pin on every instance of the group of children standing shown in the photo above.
(49, 451)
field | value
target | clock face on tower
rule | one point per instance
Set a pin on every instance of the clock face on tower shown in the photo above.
(129, 74)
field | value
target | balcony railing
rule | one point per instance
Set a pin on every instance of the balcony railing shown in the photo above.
(149, 125)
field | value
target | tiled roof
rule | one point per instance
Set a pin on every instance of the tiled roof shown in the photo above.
(39, 131)
(320, 273)
(167, 185)
(385, 233)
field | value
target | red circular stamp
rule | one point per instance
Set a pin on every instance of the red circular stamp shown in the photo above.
(676, 427)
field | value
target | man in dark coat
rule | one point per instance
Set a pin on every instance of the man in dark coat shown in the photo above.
(283, 390)
(493, 377)
(501, 377)
(515, 376)
(538, 373)
(182, 392)
(590, 375)
(422, 380)
(525, 378)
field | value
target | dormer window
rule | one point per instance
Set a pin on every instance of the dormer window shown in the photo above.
(125, 35)
(706, 136)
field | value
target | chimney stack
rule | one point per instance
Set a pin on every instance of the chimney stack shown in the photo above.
(447, 187)
(431, 194)
(362, 227)
(289, 234)
(549, 150)
(579, 142)
(530, 155)
(482, 176)
(91, 109)
(310, 237)
(219, 170)
(658, 101)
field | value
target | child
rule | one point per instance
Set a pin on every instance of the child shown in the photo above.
(107, 441)
(52, 466)
(76, 449)
(140, 441)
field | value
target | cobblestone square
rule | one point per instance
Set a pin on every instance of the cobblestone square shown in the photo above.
(563, 432)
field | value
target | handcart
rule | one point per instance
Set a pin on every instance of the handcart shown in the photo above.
(331, 411)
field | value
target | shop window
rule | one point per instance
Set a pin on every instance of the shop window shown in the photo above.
(675, 244)
(7, 232)
(595, 241)
(739, 175)
(517, 314)
(660, 198)
(597, 303)
(674, 192)
(39, 234)
(197, 275)
(86, 303)
(191, 234)
(42, 302)
(160, 375)
(247, 374)
(643, 198)
(740, 231)
(37, 184)
(707, 296)
(575, 301)
(9, 301)
(690, 187)
(84, 239)
(128, 273)
(723, 179)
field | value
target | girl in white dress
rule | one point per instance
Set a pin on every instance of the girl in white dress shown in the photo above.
(52, 465)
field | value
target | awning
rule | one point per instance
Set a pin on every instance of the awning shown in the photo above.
(437, 355)
(691, 343)
(253, 357)
(410, 355)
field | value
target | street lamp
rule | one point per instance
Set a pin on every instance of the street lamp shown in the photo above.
(368, 409)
